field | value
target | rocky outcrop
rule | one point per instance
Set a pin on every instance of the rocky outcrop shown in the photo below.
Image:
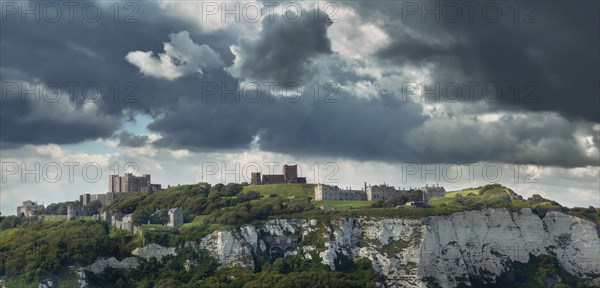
(101, 264)
(154, 250)
(445, 250)
(233, 248)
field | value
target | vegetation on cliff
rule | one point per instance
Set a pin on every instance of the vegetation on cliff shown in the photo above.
(34, 249)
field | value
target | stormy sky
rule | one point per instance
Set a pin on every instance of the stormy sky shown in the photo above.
(408, 93)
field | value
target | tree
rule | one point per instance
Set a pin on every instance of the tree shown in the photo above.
(141, 216)
(217, 188)
(93, 207)
(233, 189)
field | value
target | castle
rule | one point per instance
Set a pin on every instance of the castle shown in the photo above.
(289, 176)
(119, 186)
(29, 208)
(371, 193)
(129, 183)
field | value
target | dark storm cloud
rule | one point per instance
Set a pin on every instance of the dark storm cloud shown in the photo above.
(380, 129)
(81, 53)
(356, 127)
(542, 139)
(131, 140)
(284, 51)
(559, 53)
(45, 117)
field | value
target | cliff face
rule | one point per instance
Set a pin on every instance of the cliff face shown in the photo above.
(445, 250)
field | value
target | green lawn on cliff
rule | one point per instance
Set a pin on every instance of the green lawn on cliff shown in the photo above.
(356, 204)
(283, 190)
(463, 192)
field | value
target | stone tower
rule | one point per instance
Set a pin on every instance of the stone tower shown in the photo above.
(255, 178)
(290, 173)
(71, 212)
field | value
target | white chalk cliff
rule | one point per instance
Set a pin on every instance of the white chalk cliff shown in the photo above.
(445, 250)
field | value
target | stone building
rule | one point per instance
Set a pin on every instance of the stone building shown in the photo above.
(381, 192)
(106, 216)
(283, 245)
(129, 183)
(119, 186)
(175, 217)
(122, 222)
(73, 211)
(289, 176)
(29, 208)
(433, 191)
(328, 192)
(372, 193)
(105, 199)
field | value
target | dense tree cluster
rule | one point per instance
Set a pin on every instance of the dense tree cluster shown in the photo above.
(399, 199)
(221, 204)
(38, 249)
(60, 208)
(191, 268)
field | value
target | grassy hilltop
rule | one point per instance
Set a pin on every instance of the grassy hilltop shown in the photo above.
(283, 190)
(34, 249)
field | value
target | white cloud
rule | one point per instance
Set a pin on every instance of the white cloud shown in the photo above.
(181, 153)
(211, 17)
(181, 57)
(354, 39)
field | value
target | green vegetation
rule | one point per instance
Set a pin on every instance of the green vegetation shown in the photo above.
(296, 272)
(283, 190)
(58, 208)
(489, 196)
(313, 238)
(191, 268)
(464, 192)
(540, 271)
(172, 272)
(206, 207)
(36, 249)
(395, 247)
(590, 214)
(32, 249)
(53, 217)
(400, 199)
(344, 204)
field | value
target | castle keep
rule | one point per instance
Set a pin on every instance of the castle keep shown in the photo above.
(289, 176)
(119, 186)
(129, 183)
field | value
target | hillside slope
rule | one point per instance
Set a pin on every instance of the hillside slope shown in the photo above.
(237, 236)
